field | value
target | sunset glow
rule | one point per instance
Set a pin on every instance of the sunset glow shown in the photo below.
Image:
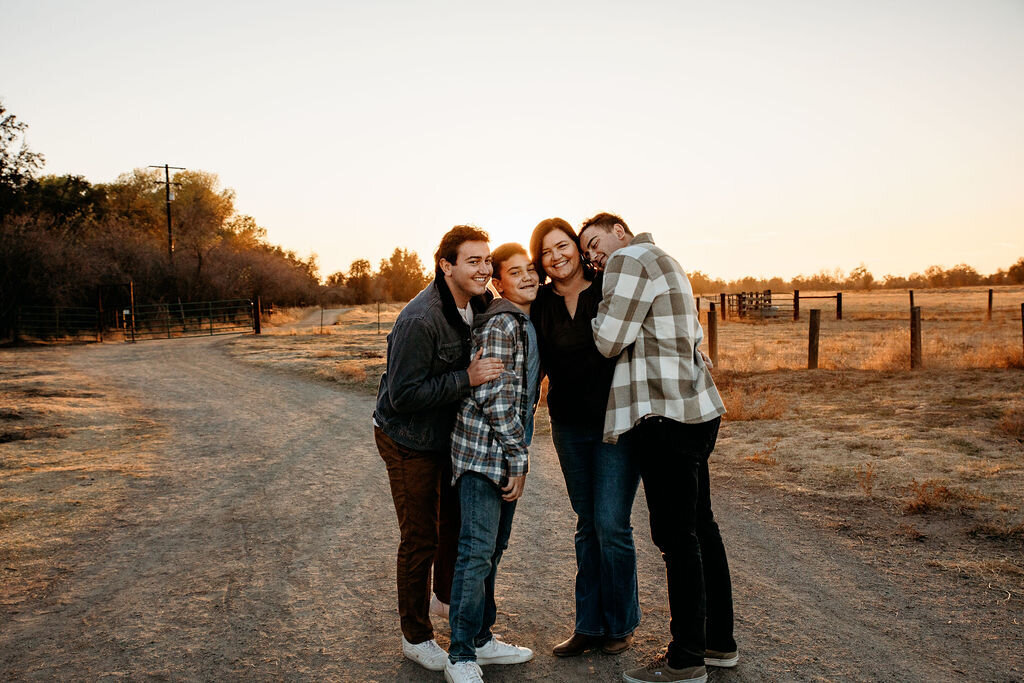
(750, 138)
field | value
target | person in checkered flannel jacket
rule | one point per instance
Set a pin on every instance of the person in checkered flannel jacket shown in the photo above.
(663, 395)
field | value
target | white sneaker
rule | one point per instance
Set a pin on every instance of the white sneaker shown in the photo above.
(438, 608)
(427, 654)
(496, 652)
(463, 672)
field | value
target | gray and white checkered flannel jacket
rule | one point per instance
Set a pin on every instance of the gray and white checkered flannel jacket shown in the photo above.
(648, 319)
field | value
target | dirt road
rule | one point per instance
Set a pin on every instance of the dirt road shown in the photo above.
(260, 545)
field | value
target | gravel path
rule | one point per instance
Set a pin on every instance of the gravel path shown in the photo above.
(263, 548)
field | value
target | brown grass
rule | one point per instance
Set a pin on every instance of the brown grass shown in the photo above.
(866, 478)
(747, 401)
(764, 456)
(1012, 422)
(933, 495)
(55, 478)
(349, 351)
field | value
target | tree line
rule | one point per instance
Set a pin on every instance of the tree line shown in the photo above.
(860, 278)
(65, 241)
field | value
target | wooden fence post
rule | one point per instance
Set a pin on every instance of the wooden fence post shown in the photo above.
(696, 300)
(812, 339)
(988, 316)
(915, 338)
(911, 298)
(713, 336)
(839, 305)
(257, 312)
(99, 315)
(722, 313)
(131, 299)
(796, 304)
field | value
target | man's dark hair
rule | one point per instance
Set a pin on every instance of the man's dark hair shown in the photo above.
(453, 239)
(605, 221)
(504, 253)
(537, 239)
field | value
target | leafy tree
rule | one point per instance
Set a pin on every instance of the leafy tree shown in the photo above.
(402, 275)
(360, 281)
(860, 278)
(18, 163)
(1015, 273)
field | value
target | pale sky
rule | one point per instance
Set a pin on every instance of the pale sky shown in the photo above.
(751, 138)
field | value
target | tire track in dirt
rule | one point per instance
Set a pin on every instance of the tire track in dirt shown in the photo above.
(264, 548)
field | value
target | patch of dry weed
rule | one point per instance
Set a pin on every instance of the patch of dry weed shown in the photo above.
(1012, 423)
(933, 495)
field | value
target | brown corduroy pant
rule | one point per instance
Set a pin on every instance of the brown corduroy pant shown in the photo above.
(428, 522)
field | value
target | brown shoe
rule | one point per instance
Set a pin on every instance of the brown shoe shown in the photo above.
(615, 646)
(576, 645)
(661, 672)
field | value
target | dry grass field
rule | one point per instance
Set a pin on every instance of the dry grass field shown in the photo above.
(938, 452)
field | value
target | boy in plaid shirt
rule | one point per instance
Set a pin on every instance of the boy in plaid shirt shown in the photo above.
(490, 460)
(663, 395)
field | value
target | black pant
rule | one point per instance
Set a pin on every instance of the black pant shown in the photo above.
(673, 461)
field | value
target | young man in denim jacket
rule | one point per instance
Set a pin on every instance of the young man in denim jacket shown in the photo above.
(489, 465)
(429, 372)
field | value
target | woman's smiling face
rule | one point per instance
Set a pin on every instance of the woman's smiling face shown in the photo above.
(559, 256)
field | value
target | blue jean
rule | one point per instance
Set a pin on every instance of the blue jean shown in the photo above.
(602, 481)
(483, 537)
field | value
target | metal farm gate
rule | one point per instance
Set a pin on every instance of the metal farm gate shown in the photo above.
(187, 319)
(57, 323)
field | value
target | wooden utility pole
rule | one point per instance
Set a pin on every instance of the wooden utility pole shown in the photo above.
(167, 193)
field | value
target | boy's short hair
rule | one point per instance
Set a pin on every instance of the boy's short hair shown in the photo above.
(605, 221)
(453, 239)
(504, 253)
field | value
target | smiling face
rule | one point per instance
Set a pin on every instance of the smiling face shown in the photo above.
(599, 243)
(560, 257)
(517, 281)
(468, 276)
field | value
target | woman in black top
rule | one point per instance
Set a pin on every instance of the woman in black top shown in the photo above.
(600, 478)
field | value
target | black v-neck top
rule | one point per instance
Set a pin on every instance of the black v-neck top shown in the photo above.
(579, 377)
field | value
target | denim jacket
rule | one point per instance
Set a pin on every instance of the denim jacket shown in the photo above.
(428, 353)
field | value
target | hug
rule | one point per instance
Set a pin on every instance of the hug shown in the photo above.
(609, 318)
